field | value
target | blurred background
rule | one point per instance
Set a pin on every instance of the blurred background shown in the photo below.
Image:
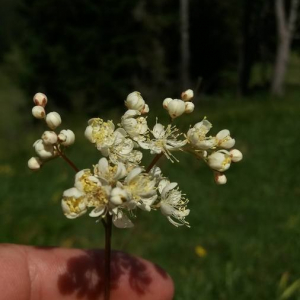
(241, 58)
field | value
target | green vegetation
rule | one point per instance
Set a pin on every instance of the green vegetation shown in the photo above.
(248, 228)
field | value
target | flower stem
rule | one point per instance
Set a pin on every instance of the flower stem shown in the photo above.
(154, 161)
(107, 255)
(71, 164)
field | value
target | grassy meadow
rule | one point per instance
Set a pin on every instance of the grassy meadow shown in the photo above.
(244, 240)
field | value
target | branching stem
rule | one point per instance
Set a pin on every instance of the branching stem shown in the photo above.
(154, 161)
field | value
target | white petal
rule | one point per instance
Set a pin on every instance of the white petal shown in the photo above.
(167, 188)
(162, 184)
(121, 171)
(98, 211)
(223, 134)
(72, 192)
(122, 221)
(103, 166)
(158, 131)
(132, 174)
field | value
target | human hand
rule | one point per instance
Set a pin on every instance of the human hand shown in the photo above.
(36, 273)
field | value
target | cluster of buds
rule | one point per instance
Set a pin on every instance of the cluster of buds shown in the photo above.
(177, 107)
(51, 144)
(119, 184)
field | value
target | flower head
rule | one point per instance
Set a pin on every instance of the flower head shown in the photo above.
(172, 203)
(165, 141)
(197, 136)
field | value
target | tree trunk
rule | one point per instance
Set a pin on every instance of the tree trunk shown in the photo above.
(285, 30)
(185, 48)
(246, 53)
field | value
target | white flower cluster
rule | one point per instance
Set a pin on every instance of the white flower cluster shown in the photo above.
(51, 144)
(118, 184)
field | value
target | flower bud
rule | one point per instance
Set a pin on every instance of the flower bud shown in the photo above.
(219, 160)
(53, 120)
(135, 101)
(236, 155)
(34, 163)
(38, 112)
(89, 134)
(118, 196)
(66, 137)
(40, 99)
(49, 137)
(42, 150)
(220, 178)
(176, 108)
(189, 107)
(187, 95)
(145, 110)
(166, 102)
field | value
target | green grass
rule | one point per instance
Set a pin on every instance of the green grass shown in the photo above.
(250, 227)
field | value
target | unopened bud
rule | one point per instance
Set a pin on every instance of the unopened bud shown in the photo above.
(43, 150)
(189, 107)
(53, 120)
(176, 108)
(38, 112)
(135, 101)
(236, 155)
(166, 102)
(34, 163)
(118, 196)
(187, 95)
(219, 160)
(220, 178)
(49, 137)
(145, 110)
(66, 137)
(40, 99)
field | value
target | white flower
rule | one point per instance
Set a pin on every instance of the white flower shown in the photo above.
(38, 112)
(189, 107)
(220, 178)
(219, 160)
(40, 99)
(224, 139)
(172, 204)
(197, 136)
(42, 150)
(100, 133)
(49, 137)
(236, 155)
(134, 125)
(187, 95)
(109, 174)
(135, 101)
(73, 203)
(165, 140)
(140, 188)
(122, 149)
(91, 192)
(175, 108)
(53, 120)
(85, 181)
(66, 137)
(34, 163)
